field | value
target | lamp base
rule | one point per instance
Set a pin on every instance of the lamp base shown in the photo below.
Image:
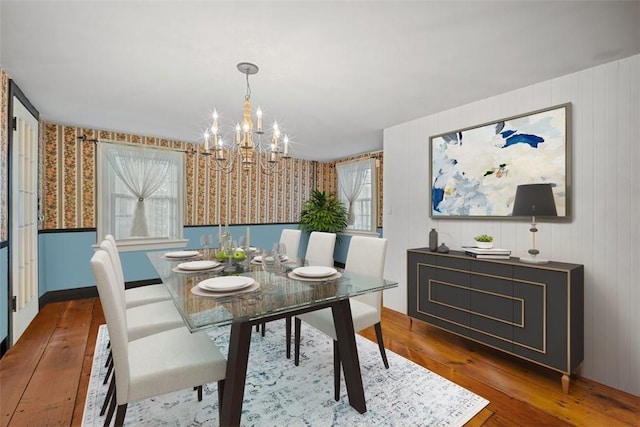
(532, 260)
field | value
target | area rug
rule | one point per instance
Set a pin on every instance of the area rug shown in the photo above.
(277, 393)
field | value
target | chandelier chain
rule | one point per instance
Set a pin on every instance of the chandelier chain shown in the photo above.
(248, 95)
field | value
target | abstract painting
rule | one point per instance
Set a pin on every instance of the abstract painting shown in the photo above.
(475, 171)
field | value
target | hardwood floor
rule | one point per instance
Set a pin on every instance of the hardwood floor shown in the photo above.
(44, 377)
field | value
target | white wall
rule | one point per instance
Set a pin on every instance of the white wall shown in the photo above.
(603, 234)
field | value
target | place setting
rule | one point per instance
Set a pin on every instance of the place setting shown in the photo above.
(222, 286)
(198, 267)
(181, 255)
(314, 274)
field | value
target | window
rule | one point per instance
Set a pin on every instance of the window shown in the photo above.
(357, 188)
(140, 195)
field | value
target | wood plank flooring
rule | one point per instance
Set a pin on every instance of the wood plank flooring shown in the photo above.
(44, 377)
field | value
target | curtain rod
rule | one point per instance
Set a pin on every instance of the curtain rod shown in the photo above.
(84, 138)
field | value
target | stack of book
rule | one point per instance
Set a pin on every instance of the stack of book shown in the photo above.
(493, 253)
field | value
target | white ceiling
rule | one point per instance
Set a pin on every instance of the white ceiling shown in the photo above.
(334, 74)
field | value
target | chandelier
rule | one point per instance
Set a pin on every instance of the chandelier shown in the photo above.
(223, 155)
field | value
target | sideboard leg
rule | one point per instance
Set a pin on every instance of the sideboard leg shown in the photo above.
(578, 371)
(565, 383)
(410, 323)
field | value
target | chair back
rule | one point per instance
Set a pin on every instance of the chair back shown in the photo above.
(115, 256)
(115, 315)
(291, 238)
(107, 246)
(366, 255)
(320, 249)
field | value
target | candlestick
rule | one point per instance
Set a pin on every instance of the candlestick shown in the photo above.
(248, 234)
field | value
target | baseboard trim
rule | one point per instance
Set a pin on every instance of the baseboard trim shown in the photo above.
(87, 292)
(3, 347)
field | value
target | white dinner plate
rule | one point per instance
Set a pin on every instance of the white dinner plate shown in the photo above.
(258, 259)
(335, 276)
(226, 283)
(206, 293)
(198, 265)
(314, 271)
(182, 254)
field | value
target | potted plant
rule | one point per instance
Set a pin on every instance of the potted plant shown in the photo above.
(484, 241)
(323, 212)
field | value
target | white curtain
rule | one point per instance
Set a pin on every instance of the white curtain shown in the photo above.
(143, 170)
(351, 177)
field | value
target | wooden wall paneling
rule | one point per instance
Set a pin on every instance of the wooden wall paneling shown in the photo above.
(605, 202)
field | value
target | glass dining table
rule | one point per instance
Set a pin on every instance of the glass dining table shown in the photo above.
(276, 297)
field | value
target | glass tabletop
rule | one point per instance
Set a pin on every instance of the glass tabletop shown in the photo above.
(278, 294)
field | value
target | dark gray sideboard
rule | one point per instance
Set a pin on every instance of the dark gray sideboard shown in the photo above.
(532, 311)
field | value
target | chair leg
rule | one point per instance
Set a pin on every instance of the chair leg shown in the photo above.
(107, 398)
(199, 388)
(383, 352)
(336, 371)
(109, 371)
(288, 335)
(220, 394)
(122, 411)
(296, 342)
(112, 408)
(109, 358)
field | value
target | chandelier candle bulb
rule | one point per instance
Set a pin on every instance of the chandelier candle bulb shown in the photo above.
(237, 133)
(206, 141)
(286, 146)
(259, 116)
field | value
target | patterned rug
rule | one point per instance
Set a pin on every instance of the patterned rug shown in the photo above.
(277, 393)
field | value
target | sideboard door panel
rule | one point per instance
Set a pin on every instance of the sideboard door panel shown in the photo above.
(491, 306)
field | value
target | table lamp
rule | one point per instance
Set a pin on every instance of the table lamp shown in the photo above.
(534, 200)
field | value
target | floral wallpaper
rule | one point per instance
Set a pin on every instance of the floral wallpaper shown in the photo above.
(69, 185)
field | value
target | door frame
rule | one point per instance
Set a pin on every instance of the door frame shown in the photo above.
(14, 91)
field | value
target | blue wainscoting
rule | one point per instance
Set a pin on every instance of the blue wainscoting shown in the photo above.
(64, 256)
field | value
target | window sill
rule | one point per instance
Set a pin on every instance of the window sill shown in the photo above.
(148, 244)
(360, 233)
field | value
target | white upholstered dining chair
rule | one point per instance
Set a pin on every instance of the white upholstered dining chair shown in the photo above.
(155, 364)
(134, 296)
(366, 255)
(291, 238)
(320, 249)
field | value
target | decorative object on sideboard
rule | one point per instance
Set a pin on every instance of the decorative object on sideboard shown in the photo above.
(240, 147)
(484, 241)
(534, 200)
(433, 240)
(443, 249)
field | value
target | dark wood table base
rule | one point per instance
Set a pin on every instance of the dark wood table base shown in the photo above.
(239, 343)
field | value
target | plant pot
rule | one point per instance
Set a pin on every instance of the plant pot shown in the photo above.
(484, 245)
